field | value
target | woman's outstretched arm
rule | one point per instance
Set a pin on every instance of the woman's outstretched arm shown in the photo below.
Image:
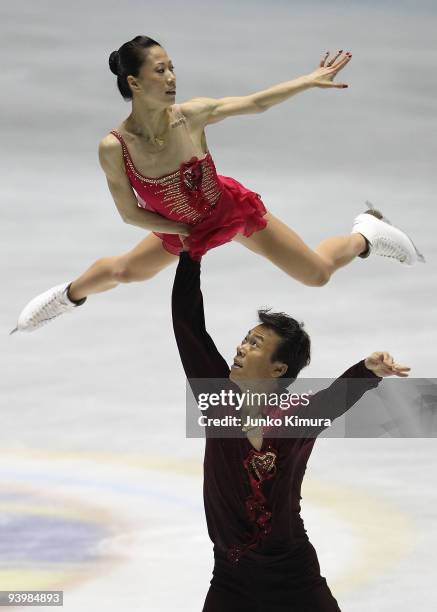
(205, 111)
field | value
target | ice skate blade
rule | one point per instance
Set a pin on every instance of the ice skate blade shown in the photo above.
(13, 331)
(420, 257)
(377, 213)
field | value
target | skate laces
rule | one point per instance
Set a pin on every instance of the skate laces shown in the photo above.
(51, 309)
(376, 213)
(385, 247)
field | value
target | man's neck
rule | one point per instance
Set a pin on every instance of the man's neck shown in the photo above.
(254, 392)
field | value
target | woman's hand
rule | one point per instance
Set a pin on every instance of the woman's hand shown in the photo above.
(382, 364)
(324, 75)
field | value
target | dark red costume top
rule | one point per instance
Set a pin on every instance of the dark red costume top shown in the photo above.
(252, 498)
(263, 559)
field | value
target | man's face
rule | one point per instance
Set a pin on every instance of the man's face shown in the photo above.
(254, 353)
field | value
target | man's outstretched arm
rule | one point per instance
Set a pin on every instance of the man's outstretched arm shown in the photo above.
(199, 355)
(349, 388)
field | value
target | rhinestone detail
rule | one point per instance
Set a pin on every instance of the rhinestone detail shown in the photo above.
(260, 466)
(190, 193)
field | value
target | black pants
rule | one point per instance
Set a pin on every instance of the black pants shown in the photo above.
(291, 584)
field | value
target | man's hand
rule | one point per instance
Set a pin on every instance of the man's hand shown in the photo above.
(382, 364)
(182, 239)
(324, 75)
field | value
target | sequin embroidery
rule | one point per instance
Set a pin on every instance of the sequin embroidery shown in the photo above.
(260, 466)
(189, 193)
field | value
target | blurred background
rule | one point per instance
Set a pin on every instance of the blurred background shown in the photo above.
(101, 493)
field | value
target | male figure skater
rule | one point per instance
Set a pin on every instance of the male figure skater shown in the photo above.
(263, 559)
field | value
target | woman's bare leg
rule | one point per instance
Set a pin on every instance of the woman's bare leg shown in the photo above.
(141, 263)
(283, 247)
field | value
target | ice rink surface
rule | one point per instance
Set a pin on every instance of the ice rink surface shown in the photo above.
(100, 491)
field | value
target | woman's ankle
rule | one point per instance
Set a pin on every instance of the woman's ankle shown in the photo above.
(74, 298)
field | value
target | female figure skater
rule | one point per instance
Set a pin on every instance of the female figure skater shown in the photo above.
(162, 178)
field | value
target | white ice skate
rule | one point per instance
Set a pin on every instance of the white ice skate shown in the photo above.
(384, 238)
(46, 307)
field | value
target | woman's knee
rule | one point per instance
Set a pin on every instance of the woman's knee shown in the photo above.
(319, 278)
(124, 271)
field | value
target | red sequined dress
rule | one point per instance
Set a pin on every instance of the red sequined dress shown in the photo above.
(218, 207)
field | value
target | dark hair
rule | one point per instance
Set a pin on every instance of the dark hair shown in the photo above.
(128, 60)
(294, 348)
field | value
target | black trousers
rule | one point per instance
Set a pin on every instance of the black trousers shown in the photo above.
(289, 584)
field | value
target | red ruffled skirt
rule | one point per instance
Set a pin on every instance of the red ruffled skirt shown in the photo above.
(238, 211)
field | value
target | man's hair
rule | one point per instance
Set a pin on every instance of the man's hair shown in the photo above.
(294, 348)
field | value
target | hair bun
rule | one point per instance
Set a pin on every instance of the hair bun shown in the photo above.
(114, 62)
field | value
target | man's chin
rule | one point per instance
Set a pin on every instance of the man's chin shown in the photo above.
(235, 373)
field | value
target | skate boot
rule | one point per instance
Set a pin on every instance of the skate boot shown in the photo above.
(46, 307)
(385, 239)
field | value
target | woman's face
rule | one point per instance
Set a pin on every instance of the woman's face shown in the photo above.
(156, 77)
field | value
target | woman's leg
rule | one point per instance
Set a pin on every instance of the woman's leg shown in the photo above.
(283, 247)
(141, 263)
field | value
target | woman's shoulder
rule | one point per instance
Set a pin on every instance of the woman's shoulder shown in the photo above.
(112, 143)
(110, 153)
(197, 110)
(109, 146)
(114, 136)
(109, 139)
